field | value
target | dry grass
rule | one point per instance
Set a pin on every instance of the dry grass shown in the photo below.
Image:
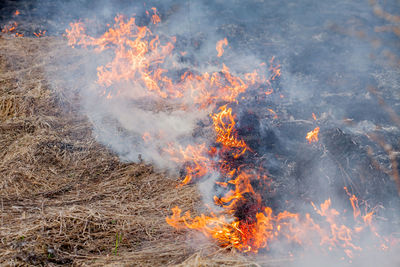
(66, 199)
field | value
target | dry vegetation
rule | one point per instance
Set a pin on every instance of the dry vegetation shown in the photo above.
(66, 199)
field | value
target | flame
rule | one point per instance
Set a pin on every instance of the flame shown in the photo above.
(220, 46)
(40, 33)
(261, 228)
(246, 235)
(16, 13)
(224, 124)
(139, 58)
(11, 27)
(313, 135)
(275, 116)
(196, 158)
(155, 18)
(274, 69)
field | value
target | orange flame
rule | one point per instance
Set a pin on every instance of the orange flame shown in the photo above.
(196, 158)
(275, 116)
(229, 231)
(314, 117)
(40, 33)
(155, 17)
(224, 124)
(313, 135)
(11, 27)
(138, 57)
(220, 46)
(263, 227)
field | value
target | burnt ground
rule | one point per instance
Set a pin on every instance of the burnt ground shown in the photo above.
(66, 199)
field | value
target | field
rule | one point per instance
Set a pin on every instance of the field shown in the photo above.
(71, 193)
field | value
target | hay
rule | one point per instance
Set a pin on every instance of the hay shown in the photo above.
(64, 198)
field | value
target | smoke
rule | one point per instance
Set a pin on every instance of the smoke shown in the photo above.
(122, 125)
(328, 53)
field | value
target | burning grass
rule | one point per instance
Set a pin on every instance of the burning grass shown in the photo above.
(65, 199)
(246, 220)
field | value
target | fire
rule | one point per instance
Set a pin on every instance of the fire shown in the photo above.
(138, 58)
(16, 13)
(274, 69)
(265, 227)
(224, 124)
(313, 135)
(39, 33)
(141, 65)
(220, 46)
(229, 231)
(10, 28)
(196, 158)
(155, 17)
(262, 226)
(242, 236)
(275, 116)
